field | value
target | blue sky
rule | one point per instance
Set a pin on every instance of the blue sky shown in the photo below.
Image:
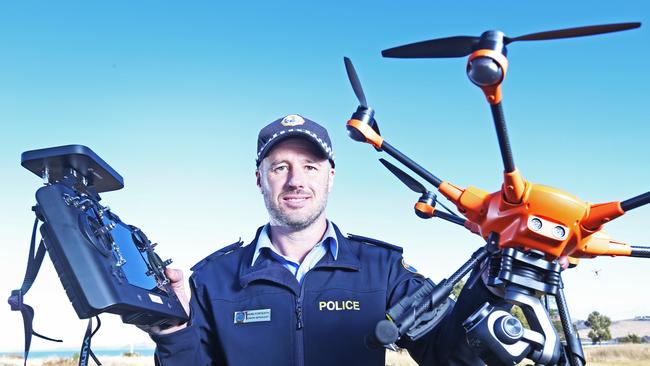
(172, 95)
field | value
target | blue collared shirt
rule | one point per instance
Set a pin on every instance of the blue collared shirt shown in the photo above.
(299, 270)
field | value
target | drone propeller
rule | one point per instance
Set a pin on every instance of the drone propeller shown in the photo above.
(409, 181)
(458, 46)
(354, 81)
(575, 32)
(464, 45)
(364, 113)
(417, 187)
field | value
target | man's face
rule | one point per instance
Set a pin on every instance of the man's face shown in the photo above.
(295, 181)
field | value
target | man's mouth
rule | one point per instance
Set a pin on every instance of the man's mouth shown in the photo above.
(295, 199)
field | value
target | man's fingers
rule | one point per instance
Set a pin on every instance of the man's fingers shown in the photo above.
(564, 262)
(174, 275)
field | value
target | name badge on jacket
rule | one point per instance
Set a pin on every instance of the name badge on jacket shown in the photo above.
(252, 316)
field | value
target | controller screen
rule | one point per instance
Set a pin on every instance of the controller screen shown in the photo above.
(135, 268)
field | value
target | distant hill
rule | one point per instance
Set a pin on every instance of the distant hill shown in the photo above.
(620, 328)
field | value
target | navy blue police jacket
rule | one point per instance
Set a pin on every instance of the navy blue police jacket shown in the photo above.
(326, 320)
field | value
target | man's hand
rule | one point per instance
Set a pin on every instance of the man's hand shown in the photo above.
(175, 277)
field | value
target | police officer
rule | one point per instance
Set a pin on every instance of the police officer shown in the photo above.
(301, 293)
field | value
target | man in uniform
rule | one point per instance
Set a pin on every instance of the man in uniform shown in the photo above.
(302, 293)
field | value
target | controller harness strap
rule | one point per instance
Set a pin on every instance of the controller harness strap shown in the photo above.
(85, 345)
(16, 298)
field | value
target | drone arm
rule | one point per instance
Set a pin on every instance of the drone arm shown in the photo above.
(427, 211)
(415, 167)
(514, 186)
(502, 136)
(513, 183)
(640, 252)
(600, 244)
(470, 201)
(449, 217)
(634, 202)
(602, 213)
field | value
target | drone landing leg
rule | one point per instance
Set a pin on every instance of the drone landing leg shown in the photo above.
(576, 355)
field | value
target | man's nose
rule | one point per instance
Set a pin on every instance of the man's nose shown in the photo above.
(296, 178)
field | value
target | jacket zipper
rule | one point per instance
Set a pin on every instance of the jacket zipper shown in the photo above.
(300, 341)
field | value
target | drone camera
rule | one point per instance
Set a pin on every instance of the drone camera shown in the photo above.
(547, 228)
(496, 336)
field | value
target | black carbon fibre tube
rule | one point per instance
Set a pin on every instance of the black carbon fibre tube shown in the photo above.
(429, 296)
(449, 217)
(640, 252)
(502, 136)
(576, 355)
(634, 202)
(415, 167)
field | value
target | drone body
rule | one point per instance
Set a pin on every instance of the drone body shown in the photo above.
(546, 219)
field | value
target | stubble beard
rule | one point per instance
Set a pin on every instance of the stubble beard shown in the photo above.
(296, 222)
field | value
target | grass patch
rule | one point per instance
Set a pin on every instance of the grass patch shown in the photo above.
(614, 355)
(618, 354)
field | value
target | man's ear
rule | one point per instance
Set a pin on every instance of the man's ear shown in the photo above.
(330, 181)
(257, 178)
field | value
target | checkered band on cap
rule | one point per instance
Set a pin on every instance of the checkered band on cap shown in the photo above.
(293, 125)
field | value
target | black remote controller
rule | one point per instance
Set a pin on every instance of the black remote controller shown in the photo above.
(104, 264)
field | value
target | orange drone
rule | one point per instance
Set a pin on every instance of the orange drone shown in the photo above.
(531, 225)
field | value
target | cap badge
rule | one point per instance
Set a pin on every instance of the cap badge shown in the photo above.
(292, 120)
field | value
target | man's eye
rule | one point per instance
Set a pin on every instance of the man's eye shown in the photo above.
(311, 168)
(280, 169)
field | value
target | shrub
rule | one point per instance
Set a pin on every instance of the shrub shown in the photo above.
(630, 338)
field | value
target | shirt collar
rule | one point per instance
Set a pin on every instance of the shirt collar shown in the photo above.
(264, 241)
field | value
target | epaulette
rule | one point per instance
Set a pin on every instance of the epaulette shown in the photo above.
(376, 242)
(223, 251)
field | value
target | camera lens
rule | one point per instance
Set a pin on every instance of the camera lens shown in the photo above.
(559, 232)
(508, 329)
(536, 224)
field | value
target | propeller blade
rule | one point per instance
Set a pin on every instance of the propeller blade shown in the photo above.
(575, 32)
(354, 81)
(410, 182)
(436, 48)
